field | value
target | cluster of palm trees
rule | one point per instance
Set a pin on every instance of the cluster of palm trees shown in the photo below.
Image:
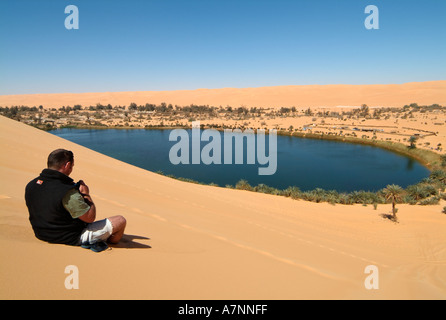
(395, 193)
(428, 191)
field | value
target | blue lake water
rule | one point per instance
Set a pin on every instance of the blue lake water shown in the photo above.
(305, 163)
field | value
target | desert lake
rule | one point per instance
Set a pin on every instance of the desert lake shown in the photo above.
(305, 163)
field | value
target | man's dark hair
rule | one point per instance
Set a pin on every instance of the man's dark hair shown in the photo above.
(59, 157)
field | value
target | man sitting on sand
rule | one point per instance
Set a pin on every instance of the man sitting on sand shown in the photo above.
(61, 211)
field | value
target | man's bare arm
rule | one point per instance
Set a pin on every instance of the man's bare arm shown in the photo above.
(90, 215)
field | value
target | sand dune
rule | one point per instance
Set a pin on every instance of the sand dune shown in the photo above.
(393, 95)
(187, 241)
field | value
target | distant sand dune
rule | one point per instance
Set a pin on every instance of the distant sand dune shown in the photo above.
(392, 95)
(190, 241)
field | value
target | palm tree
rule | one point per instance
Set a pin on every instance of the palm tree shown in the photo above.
(440, 176)
(393, 192)
(443, 159)
(412, 141)
(416, 192)
(243, 185)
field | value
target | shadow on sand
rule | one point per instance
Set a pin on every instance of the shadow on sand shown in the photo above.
(128, 243)
(389, 217)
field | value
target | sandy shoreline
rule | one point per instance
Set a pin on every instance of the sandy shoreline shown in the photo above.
(187, 241)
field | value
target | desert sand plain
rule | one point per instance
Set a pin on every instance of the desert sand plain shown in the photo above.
(390, 95)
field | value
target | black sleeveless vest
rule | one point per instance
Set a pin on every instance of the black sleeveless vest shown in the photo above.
(51, 222)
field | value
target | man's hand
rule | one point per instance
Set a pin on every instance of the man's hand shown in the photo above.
(83, 188)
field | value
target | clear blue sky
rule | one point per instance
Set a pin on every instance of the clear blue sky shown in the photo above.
(137, 45)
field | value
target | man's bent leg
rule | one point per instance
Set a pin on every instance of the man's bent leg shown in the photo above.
(118, 223)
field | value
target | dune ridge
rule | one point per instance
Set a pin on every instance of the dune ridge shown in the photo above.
(188, 241)
(388, 95)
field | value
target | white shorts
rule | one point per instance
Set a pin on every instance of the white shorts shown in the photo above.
(97, 231)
